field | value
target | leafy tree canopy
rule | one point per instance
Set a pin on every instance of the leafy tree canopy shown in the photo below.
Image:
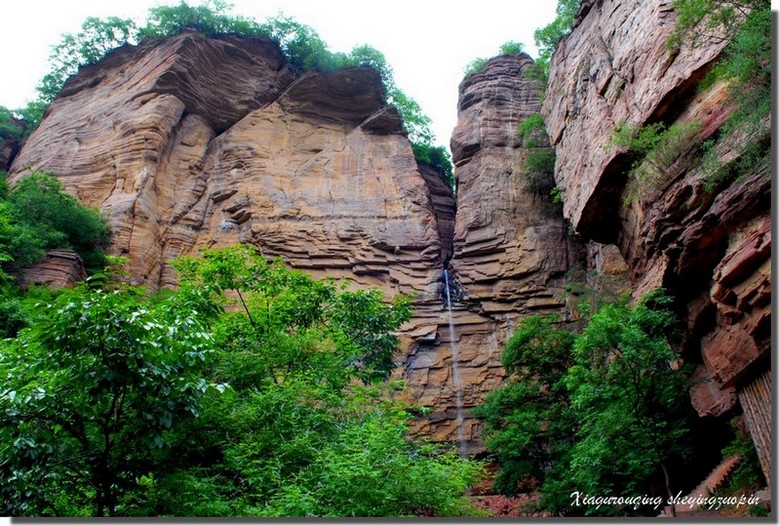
(548, 37)
(90, 391)
(602, 412)
(253, 390)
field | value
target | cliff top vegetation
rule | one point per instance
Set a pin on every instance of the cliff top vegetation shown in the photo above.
(300, 44)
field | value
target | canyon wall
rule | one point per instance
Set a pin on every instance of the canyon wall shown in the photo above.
(197, 142)
(709, 245)
(511, 251)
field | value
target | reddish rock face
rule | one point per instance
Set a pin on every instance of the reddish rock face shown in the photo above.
(58, 268)
(612, 69)
(194, 142)
(510, 249)
(710, 249)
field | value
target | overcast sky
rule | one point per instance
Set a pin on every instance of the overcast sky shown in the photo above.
(427, 43)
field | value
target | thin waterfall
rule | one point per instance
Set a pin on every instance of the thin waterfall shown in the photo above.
(455, 371)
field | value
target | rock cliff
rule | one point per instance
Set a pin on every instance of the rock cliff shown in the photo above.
(709, 247)
(196, 142)
(510, 249)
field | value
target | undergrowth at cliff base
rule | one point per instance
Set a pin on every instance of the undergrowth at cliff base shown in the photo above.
(602, 412)
(252, 390)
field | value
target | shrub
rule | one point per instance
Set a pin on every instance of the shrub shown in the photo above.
(655, 148)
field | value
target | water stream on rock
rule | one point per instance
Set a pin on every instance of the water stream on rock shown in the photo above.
(455, 371)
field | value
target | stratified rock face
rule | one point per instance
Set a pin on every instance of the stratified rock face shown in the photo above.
(58, 268)
(196, 142)
(613, 68)
(710, 248)
(510, 249)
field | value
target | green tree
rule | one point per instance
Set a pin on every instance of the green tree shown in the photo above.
(293, 434)
(604, 412)
(289, 323)
(96, 39)
(89, 392)
(631, 399)
(548, 37)
(45, 217)
(10, 126)
(528, 423)
(212, 17)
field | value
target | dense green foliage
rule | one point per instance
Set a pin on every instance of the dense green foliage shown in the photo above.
(253, 390)
(439, 158)
(90, 390)
(655, 148)
(528, 422)
(38, 215)
(539, 164)
(10, 127)
(548, 37)
(602, 412)
(96, 38)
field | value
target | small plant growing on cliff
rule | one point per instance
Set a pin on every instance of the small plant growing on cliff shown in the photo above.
(532, 132)
(506, 49)
(655, 147)
(539, 165)
(747, 67)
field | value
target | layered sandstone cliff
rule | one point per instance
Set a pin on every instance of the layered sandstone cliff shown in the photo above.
(511, 250)
(196, 142)
(710, 247)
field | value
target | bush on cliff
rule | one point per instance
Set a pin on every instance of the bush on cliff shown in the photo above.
(746, 64)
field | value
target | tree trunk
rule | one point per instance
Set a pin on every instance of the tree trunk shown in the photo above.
(668, 489)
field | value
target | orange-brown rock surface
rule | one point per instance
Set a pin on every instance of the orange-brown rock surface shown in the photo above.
(510, 248)
(58, 268)
(196, 142)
